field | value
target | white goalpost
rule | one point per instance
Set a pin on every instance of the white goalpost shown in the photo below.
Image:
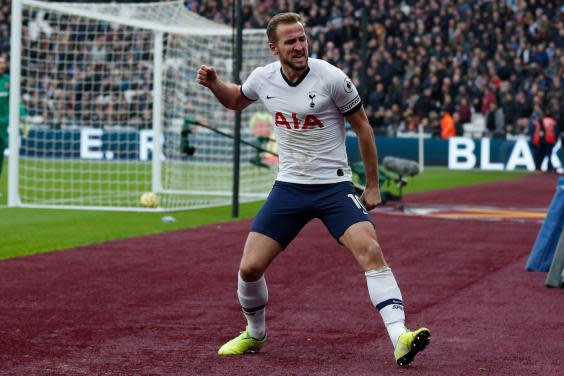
(112, 109)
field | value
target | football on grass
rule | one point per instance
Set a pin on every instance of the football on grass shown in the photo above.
(149, 200)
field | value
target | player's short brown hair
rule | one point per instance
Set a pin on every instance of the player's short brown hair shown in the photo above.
(281, 18)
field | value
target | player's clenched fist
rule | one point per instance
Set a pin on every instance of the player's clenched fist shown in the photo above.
(371, 198)
(206, 75)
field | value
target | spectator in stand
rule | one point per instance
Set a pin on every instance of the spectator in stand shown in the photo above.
(495, 121)
(524, 112)
(424, 105)
(458, 129)
(448, 128)
(4, 26)
(464, 111)
(433, 125)
(448, 104)
(393, 120)
(510, 112)
(377, 97)
(556, 89)
(471, 51)
(489, 98)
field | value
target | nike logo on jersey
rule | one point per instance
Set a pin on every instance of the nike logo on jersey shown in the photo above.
(269, 97)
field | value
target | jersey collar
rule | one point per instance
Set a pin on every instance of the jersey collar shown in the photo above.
(293, 84)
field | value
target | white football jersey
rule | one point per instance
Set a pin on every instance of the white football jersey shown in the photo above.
(308, 118)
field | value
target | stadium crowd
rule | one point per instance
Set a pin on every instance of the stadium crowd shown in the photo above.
(436, 63)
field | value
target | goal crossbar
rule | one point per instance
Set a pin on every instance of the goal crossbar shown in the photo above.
(124, 14)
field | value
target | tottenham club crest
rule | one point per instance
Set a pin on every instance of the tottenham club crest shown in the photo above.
(348, 85)
(311, 97)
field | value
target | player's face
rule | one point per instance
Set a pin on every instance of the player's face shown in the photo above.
(3, 64)
(291, 46)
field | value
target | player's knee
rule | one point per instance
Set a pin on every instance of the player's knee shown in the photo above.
(369, 255)
(250, 273)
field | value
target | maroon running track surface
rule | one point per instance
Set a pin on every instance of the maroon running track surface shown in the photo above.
(162, 304)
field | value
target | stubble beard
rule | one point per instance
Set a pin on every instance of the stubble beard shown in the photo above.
(295, 67)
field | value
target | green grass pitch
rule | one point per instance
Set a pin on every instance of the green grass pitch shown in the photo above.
(119, 183)
(31, 231)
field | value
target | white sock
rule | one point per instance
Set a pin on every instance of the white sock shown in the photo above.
(253, 297)
(386, 297)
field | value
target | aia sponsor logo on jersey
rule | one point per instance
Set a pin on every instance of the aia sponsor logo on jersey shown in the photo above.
(310, 121)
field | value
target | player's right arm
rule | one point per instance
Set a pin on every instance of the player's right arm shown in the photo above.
(229, 94)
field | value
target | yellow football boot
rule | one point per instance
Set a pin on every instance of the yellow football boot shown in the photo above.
(409, 344)
(242, 344)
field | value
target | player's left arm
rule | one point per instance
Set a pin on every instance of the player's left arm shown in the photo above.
(360, 125)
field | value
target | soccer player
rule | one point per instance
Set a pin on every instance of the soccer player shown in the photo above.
(4, 108)
(309, 100)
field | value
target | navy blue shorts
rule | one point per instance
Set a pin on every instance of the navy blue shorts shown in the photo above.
(290, 206)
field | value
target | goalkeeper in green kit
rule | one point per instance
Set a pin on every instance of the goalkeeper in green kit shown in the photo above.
(4, 108)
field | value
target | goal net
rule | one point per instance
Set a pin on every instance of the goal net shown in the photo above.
(112, 108)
